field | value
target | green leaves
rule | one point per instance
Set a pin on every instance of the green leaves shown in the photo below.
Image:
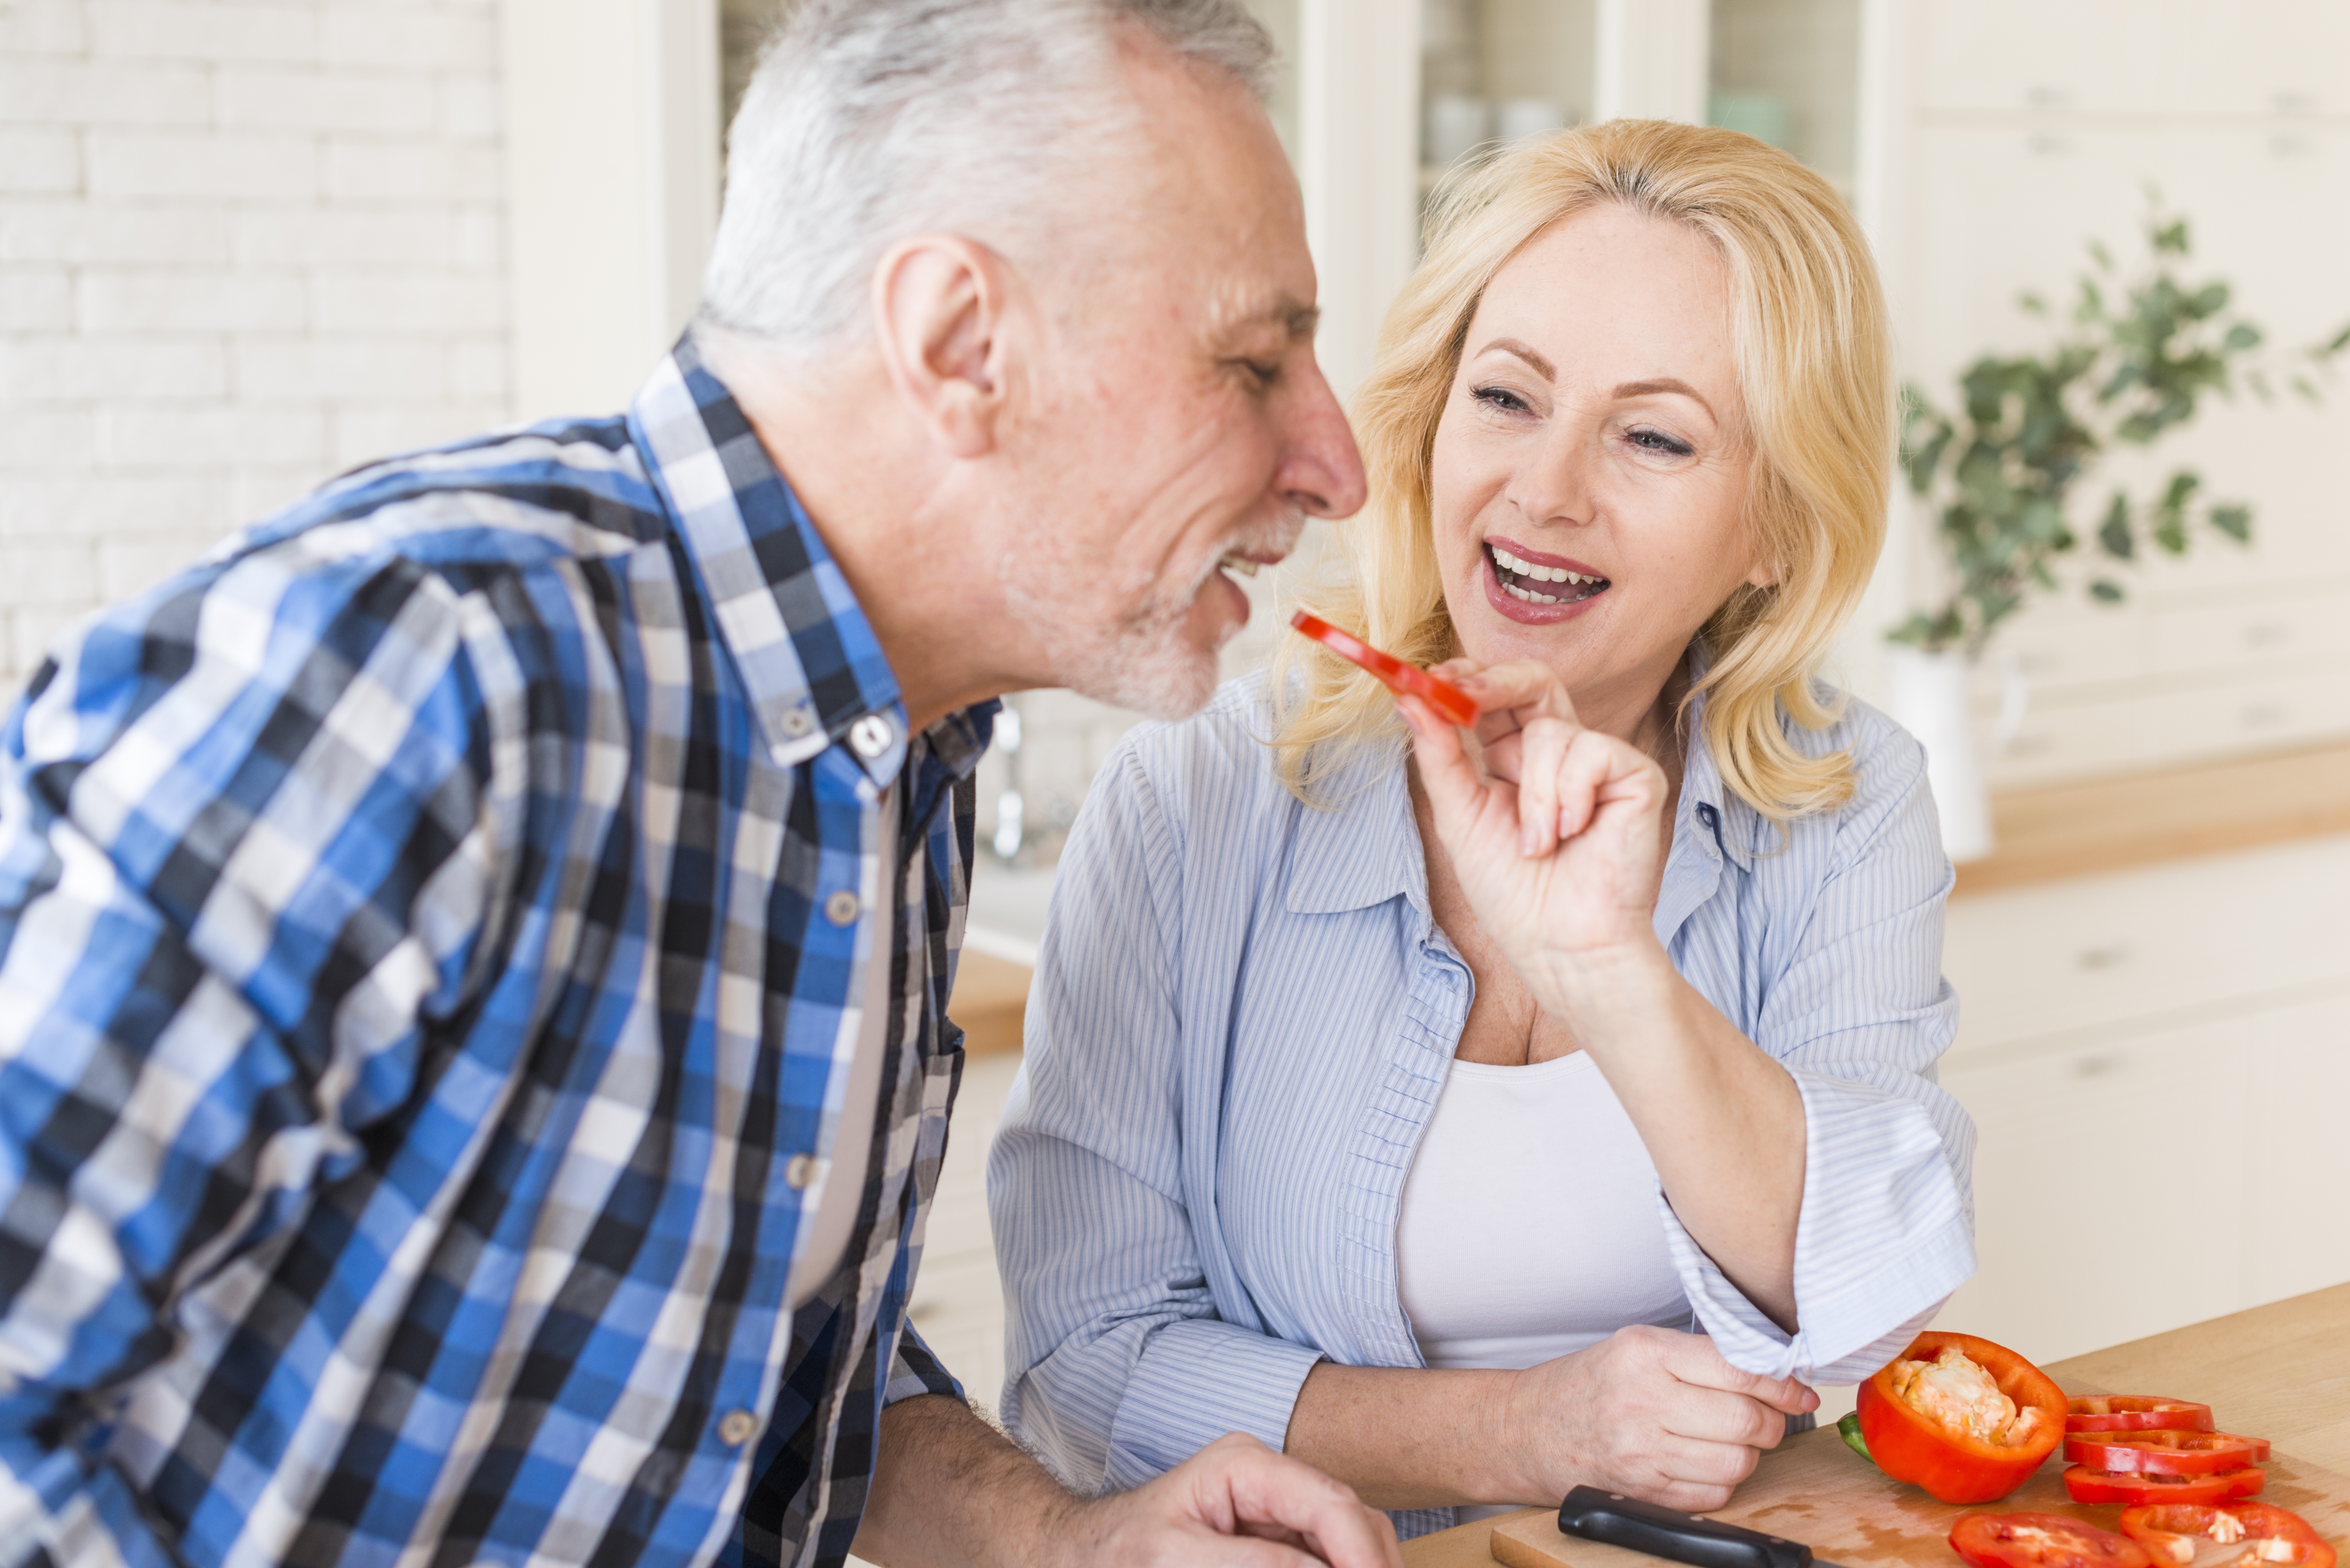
(2140, 359)
(2115, 533)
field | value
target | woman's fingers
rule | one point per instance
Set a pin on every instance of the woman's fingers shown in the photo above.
(1524, 687)
(1711, 1415)
(1544, 747)
(1694, 1360)
(1445, 769)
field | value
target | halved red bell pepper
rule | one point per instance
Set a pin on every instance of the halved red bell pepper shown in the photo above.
(2043, 1541)
(2165, 1453)
(2134, 1413)
(1938, 1424)
(2172, 1533)
(2083, 1484)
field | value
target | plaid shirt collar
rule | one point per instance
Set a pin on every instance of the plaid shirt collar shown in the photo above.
(815, 670)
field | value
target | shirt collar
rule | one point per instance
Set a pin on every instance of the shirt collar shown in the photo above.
(1362, 847)
(809, 660)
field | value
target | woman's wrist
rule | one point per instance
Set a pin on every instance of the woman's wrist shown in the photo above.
(1604, 995)
(1509, 1447)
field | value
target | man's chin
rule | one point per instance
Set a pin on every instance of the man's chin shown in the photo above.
(1161, 682)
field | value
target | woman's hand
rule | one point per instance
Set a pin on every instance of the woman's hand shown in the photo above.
(1647, 1412)
(1556, 839)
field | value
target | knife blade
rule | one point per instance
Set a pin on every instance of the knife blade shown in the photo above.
(1616, 1519)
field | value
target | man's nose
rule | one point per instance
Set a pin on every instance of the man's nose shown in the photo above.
(1321, 468)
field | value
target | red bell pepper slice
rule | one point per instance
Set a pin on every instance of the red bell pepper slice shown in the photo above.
(2043, 1541)
(2084, 1484)
(2165, 1453)
(1912, 1440)
(2178, 1532)
(2134, 1413)
(1403, 679)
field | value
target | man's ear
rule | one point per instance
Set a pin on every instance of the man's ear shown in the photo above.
(940, 306)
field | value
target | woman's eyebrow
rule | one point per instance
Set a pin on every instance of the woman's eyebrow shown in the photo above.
(1542, 367)
(1643, 388)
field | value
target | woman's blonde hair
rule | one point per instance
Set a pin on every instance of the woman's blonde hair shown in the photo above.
(1815, 369)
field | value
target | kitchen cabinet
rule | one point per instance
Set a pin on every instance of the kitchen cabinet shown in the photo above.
(2058, 960)
(2156, 1061)
(2081, 1237)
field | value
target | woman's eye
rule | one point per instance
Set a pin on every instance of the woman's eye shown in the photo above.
(1495, 398)
(1659, 442)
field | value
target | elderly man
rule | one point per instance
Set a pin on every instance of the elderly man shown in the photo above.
(473, 1071)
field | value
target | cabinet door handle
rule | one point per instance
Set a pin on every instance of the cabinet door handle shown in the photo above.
(2096, 1066)
(2111, 957)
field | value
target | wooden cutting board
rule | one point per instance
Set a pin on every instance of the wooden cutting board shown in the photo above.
(1814, 1490)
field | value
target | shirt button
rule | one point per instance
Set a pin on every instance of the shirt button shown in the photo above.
(871, 736)
(737, 1427)
(797, 722)
(841, 907)
(798, 1171)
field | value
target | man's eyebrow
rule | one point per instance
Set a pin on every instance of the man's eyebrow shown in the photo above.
(1292, 315)
(1665, 384)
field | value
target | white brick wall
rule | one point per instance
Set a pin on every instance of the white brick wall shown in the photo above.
(243, 244)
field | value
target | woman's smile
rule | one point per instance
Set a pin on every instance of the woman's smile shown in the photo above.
(1535, 588)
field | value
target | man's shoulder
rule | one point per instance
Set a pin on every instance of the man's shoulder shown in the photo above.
(387, 552)
(575, 488)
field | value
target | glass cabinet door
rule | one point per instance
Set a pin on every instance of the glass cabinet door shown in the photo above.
(1500, 71)
(1788, 72)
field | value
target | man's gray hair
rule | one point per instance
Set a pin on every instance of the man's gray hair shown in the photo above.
(872, 120)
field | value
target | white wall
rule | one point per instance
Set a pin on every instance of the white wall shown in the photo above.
(242, 246)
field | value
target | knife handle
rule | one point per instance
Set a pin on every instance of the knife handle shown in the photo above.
(1620, 1520)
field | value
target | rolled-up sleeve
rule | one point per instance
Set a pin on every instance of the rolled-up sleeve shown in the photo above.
(1117, 1364)
(1857, 1015)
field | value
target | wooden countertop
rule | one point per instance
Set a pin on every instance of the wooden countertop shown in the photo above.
(2138, 819)
(2280, 1372)
(989, 1000)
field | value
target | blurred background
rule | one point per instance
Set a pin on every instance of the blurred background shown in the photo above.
(246, 244)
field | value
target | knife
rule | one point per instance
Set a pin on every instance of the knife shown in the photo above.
(1620, 1520)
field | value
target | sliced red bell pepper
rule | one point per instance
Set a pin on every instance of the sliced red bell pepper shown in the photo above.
(2084, 1484)
(2179, 1533)
(2043, 1541)
(2134, 1413)
(1975, 1447)
(2165, 1453)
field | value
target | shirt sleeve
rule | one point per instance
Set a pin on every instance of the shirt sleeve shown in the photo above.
(1117, 1365)
(916, 1370)
(247, 845)
(1858, 1017)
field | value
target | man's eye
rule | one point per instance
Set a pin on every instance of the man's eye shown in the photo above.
(1263, 372)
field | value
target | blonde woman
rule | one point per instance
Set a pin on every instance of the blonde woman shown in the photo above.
(1475, 1116)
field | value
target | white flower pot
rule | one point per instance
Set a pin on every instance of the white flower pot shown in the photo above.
(1929, 700)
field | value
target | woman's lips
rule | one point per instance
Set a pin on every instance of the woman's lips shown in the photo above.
(1533, 612)
(1533, 558)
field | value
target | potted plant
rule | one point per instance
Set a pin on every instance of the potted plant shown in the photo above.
(2005, 472)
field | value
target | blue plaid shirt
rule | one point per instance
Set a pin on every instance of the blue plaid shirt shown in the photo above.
(433, 932)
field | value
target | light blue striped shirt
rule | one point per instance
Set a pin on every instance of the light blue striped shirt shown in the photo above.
(1242, 1016)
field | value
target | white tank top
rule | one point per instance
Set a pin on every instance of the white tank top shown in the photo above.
(1529, 1227)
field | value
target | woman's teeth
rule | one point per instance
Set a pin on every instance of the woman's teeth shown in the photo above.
(1510, 567)
(1240, 563)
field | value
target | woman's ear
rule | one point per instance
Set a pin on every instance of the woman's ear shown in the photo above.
(943, 327)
